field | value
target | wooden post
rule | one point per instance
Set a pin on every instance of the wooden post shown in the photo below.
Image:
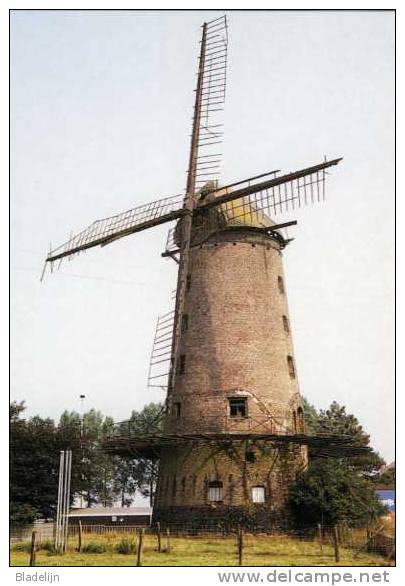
(159, 537)
(32, 551)
(320, 537)
(79, 547)
(336, 543)
(167, 539)
(140, 548)
(240, 546)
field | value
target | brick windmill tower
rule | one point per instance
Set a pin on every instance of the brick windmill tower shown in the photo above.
(234, 434)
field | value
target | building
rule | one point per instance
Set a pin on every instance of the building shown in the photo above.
(236, 374)
(137, 516)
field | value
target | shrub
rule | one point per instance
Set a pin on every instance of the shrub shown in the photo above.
(126, 546)
(48, 545)
(93, 547)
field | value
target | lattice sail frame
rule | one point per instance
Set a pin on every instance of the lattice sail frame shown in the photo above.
(106, 230)
(213, 91)
(245, 201)
(159, 365)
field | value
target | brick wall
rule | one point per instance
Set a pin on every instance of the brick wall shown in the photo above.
(236, 343)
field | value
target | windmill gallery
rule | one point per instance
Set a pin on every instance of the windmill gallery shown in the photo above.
(234, 436)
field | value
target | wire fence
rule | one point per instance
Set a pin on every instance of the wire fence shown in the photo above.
(318, 544)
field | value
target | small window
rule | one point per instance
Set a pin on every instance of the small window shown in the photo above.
(215, 491)
(177, 409)
(237, 407)
(280, 284)
(291, 367)
(286, 324)
(258, 494)
(250, 456)
(183, 484)
(300, 420)
(181, 369)
(184, 323)
(295, 421)
(188, 282)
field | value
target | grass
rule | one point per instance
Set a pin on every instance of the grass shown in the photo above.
(259, 550)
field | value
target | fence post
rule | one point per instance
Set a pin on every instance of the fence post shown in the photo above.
(167, 539)
(336, 543)
(32, 551)
(79, 548)
(140, 548)
(159, 537)
(240, 546)
(320, 537)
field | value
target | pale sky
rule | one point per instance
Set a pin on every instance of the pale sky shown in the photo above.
(101, 106)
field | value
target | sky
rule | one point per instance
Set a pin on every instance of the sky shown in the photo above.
(101, 106)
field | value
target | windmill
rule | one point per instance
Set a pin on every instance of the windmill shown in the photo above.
(233, 431)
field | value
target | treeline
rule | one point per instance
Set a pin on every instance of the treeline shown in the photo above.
(98, 478)
(331, 490)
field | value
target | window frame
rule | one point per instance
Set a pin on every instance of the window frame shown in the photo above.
(291, 366)
(215, 491)
(263, 493)
(245, 407)
(177, 409)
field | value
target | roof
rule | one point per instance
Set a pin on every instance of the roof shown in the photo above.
(237, 213)
(111, 511)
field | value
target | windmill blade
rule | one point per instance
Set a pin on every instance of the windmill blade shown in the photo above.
(159, 364)
(209, 133)
(107, 230)
(254, 201)
(211, 81)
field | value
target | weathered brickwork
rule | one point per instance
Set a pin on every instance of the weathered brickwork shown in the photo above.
(236, 344)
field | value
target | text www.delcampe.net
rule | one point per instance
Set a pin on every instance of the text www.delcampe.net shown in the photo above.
(292, 576)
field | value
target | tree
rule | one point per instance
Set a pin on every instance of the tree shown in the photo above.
(335, 421)
(15, 410)
(34, 461)
(138, 473)
(330, 493)
(125, 483)
(92, 468)
(311, 416)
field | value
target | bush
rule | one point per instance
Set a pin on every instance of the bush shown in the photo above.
(126, 546)
(94, 547)
(48, 545)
